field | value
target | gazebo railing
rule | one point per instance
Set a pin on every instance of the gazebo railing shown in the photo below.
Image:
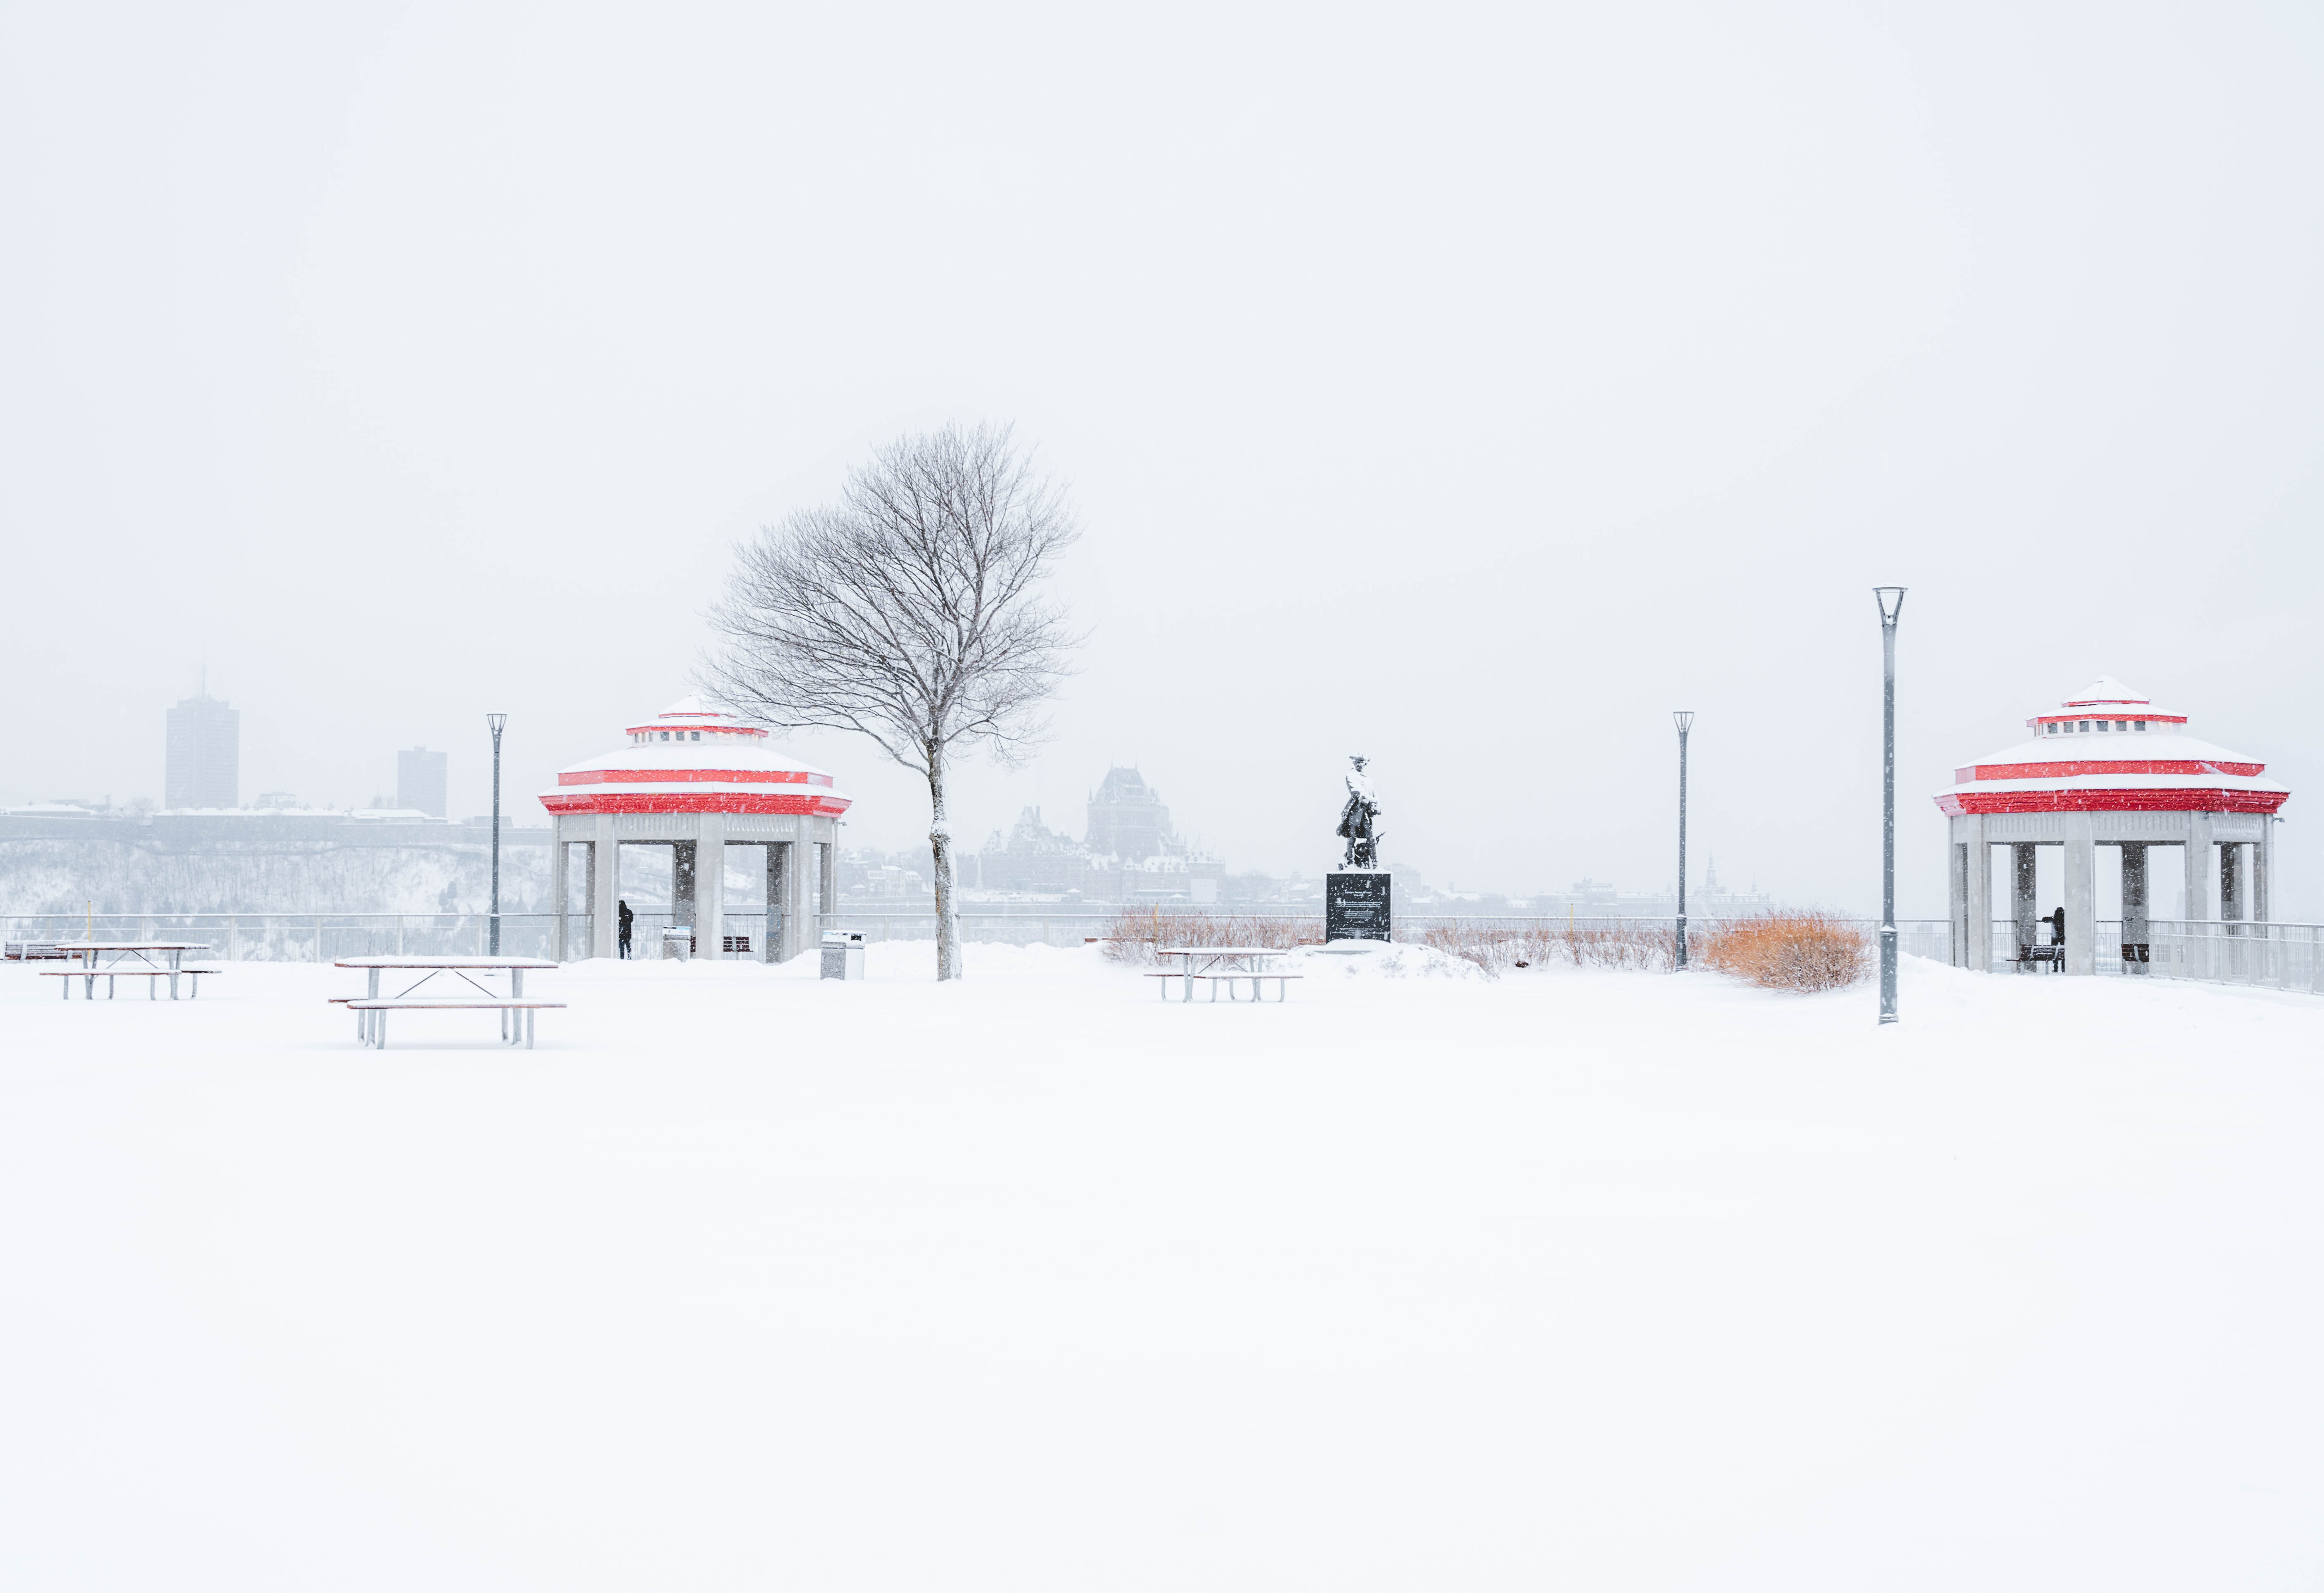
(2273, 956)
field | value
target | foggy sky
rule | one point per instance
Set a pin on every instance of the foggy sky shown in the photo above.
(1465, 386)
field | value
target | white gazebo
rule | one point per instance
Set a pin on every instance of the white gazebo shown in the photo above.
(699, 781)
(2111, 770)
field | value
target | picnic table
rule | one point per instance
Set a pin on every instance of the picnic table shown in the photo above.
(1227, 965)
(111, 960)
(518, 1014)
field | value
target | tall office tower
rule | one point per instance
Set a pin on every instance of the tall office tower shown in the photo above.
(419, 782)
(204, 755)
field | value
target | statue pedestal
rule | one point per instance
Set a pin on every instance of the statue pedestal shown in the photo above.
(1355, 905)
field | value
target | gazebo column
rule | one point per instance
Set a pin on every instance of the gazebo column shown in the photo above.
(1978, 930)
(777, 918)
(560, 866)
(605, 890)
(2262, 867)
(2198, 863)
(557, 867)
(2134, 905)
(710, 885)
(826, 884)
(2021, 900)
(681, 890)
(1956, 891)
(2081, 895)
(794, 889)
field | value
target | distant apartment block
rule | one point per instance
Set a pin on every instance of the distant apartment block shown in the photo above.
(419, 782)
(204, 767)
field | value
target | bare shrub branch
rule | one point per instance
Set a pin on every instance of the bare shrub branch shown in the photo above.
(1136, 932)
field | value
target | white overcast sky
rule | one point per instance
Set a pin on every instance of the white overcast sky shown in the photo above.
(1468, 386)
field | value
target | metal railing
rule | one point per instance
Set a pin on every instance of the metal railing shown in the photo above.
(2275, 956)
(302, 937)
(2278, 956)
(324, 936)
(1916, 937)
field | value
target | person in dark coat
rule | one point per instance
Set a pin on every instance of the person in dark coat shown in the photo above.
(627, 917)
(2058, 928)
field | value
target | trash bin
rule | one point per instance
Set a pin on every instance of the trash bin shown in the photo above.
(843, 955)
(678, 941)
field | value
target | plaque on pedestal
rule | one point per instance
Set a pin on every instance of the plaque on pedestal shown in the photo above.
(1355, 905)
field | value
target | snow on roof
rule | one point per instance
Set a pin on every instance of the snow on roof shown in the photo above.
(716, 763)
(2110, 692)
(2177, 747)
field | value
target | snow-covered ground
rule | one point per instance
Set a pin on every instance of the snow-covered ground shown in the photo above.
(1566, 1280)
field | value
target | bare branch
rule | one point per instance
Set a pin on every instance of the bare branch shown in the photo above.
(908, 613)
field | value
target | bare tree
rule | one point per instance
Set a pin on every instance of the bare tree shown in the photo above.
(909, 612)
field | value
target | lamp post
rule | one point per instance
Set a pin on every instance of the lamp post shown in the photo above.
(1892, 603)
(496, 721)
(1685, 722)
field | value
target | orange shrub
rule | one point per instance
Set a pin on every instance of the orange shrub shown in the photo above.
(1802, 951)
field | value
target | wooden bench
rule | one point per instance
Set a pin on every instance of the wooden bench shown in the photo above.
(1227, 978)
(737, 944)
(109, 974)
(371, 1016)
(32, 950)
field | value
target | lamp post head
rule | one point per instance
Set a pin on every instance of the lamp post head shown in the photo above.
(1892, 602)
(496, 721)
(1683, 719)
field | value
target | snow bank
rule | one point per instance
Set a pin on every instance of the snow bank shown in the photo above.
(1371, 961)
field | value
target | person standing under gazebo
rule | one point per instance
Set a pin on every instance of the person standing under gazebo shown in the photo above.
(626, 919)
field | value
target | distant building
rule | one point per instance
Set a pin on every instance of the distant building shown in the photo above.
(1595, 898)
(1034, 858)
(419, 782)
(204, 765)
(1130, 855)
(1127, 819)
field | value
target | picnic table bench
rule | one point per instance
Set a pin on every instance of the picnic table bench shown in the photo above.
(1223, 965)
(89, 976)
(517, 1018)
(149, 959)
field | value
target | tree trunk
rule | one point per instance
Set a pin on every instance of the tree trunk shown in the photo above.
(940, 843)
